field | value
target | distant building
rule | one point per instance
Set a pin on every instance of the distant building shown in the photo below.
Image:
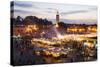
(18, 30)
(57, 17)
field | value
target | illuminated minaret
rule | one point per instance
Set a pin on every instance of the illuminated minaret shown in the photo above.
(57, 17)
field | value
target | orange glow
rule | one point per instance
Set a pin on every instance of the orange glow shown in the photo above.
(60, 36)
(57, 25)
(28, 29)
(55, 54)
(81, 30)
(31, 28)
(94, 29)
(75, 30)
(35, 27)
(90, 45)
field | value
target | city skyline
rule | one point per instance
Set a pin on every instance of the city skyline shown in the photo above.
(82, 13)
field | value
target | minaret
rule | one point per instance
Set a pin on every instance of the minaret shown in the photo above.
(57, 17)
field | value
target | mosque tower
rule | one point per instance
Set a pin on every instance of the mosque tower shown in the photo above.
(57, 17)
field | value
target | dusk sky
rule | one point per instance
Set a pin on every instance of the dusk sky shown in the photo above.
(48, 10)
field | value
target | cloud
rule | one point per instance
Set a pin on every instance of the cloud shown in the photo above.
(23, 4)
(27, 12)
(48, 11)
(67, 12)
(74, 12)
(51, 8)
(80, 11)
(93, 8)
(21, 11)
